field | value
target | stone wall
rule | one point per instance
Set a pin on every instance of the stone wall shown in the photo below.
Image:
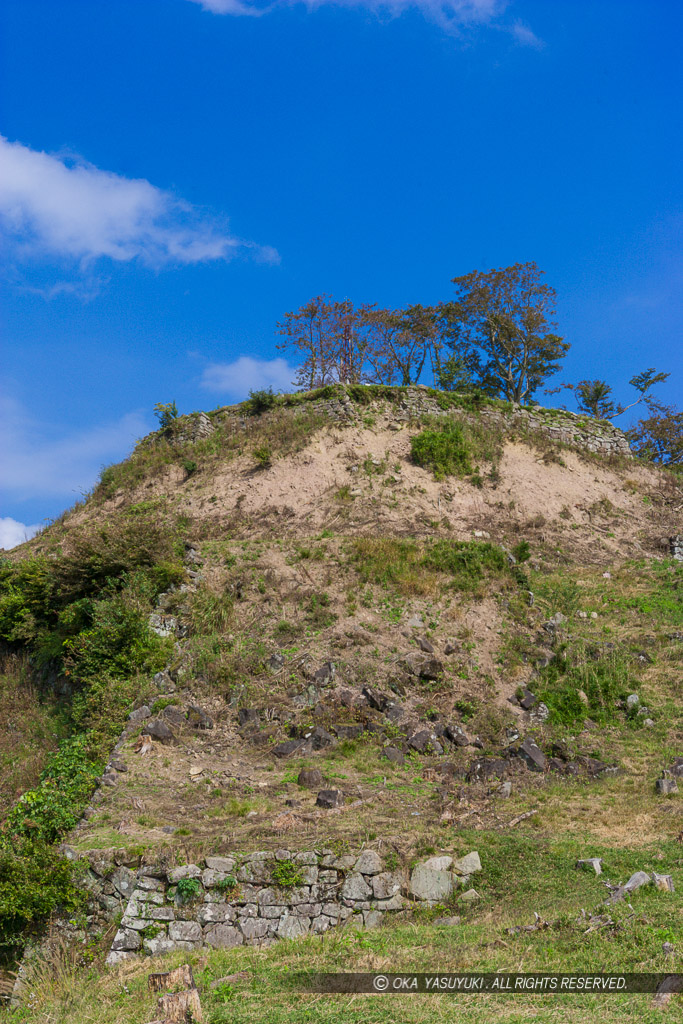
(414, 402)
(258, 898)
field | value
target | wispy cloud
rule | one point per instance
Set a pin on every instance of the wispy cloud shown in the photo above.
(451, 15)
(56, 207)
(13, 533)
(237, 379)
(36, 464)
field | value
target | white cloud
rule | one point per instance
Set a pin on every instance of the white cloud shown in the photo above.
(451, 15)
(56, 206)
(35, 464)
(246, 374)
(13, 533)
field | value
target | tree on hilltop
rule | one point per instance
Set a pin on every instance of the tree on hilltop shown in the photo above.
(507, 316)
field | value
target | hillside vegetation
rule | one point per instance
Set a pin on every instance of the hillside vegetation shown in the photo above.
(398, 599)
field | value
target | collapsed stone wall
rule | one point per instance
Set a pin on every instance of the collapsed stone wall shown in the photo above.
(413, 402)
(261, 897)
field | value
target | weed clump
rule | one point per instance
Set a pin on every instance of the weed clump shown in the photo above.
(446, 452)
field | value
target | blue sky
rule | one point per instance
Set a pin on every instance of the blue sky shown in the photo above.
(176, 174)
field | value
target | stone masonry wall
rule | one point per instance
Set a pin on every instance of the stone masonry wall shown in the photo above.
(568, 428)
(261, 897)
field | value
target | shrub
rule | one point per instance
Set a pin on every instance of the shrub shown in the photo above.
(260, 402)
(34, 882)
(188, 890)
(263, 454)
(44, 814)
(166, 413)
(286, 874)
(446, 452)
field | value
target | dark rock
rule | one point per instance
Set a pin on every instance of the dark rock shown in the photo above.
(596, 768)
(198, 718)
(248, 716)
(158, 730)
(666, 786)
(321, 738)
(139, 714)
(310, 778)
(528, 699)
(174, 717)
(289, 747)
(486, 768)
(451, 648)
(275, 662)
(348, 732)
(425, 666)
(394, 712)
(330, 798)
(325, 675)
(376, 700)
(456, 735)
(394, 755)
(118, 766)
(532, 754)
(424, 645)
(676, 768)
(425, 742)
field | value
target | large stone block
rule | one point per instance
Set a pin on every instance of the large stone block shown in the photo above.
(430, 884)
(223, 936)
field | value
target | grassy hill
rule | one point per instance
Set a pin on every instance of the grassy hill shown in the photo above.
(397, 589)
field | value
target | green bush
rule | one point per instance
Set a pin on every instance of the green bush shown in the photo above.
(46, 813)
(34, 882)
(286, 874)
(166, 413)
(446, 452)
(605, 678)
(263, 454)
(188, 890)
(260, 402)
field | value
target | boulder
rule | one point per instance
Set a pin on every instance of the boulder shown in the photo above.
(220, 864)
(486, 768)
(369, 863)
(425, 645)
(532, 754)
(456, 735)
(158, 730)
(248, 716)
(355, 887)
(198, 718)
(666, 787)
(424, 666)
(325, 675)
(330, 798)
(471, 896)
(289, 747)
(386, 884)
(376, 700)
(348, 732)
(321, 738)
(430, 884)
(468, 864)
(439, 863)
(394, 755)
(223, 936)
(139, 714)
(310, 778)
(184, 931)
(425, 742)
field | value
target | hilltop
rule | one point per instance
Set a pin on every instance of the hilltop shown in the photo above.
(459, 619)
